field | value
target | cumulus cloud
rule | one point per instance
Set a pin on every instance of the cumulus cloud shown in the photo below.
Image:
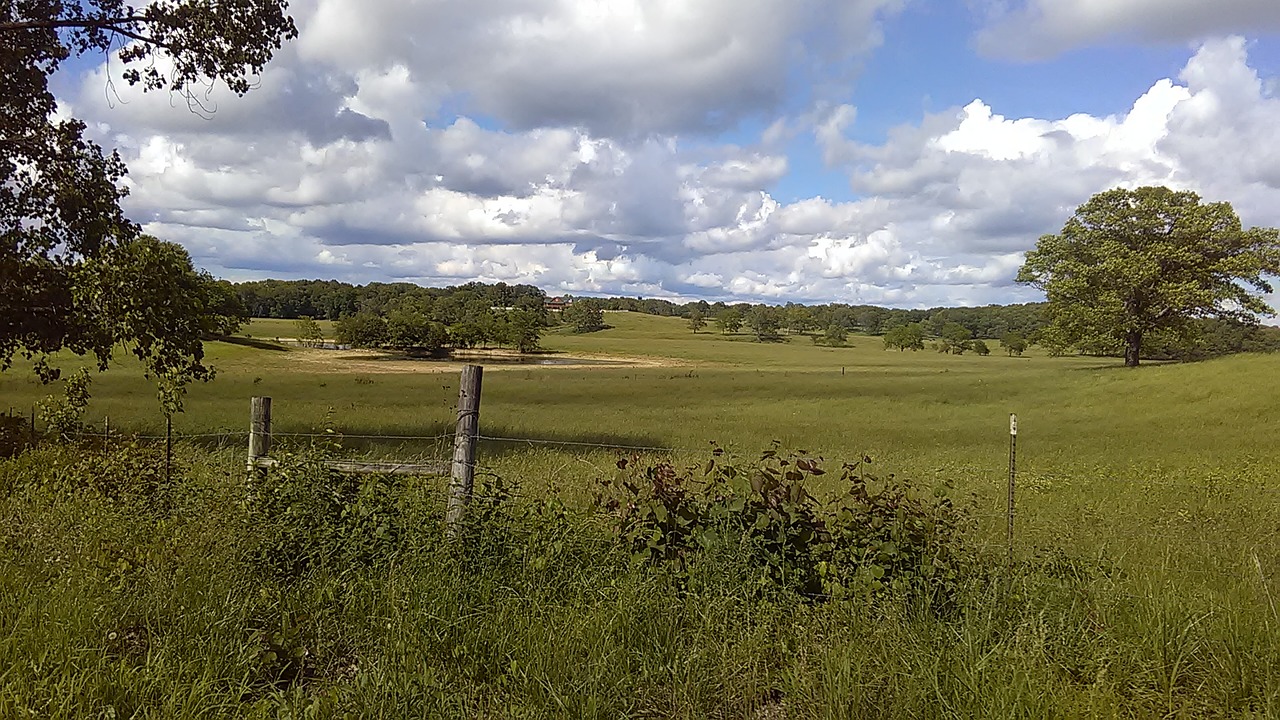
(990, 182)
(361, 177)
(615, 67)
(1033, 29)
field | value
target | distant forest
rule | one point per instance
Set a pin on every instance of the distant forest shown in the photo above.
(464, 308)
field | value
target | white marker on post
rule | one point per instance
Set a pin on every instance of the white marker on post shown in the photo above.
(1013, 424)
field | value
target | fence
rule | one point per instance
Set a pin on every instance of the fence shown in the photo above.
(461, 468)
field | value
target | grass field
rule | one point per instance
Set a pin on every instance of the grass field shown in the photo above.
(1165, 476)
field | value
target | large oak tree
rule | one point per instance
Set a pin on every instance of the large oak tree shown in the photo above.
(1134, 262)
(69, 256)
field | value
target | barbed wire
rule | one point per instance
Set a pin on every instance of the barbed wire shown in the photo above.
(118, 435)
(576, 443)
(1029, 483)
(337, 435)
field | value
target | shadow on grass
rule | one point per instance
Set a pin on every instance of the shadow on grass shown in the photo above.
(254, 343)
(1106, 364)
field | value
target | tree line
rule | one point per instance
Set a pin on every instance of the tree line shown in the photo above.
(414, 318)
(405, 316)
(333, 300)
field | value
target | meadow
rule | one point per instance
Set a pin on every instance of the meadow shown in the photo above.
(1147, 548)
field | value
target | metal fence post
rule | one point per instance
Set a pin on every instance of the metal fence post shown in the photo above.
(1013, 473)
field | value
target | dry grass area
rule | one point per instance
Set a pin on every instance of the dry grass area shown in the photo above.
(375, 362)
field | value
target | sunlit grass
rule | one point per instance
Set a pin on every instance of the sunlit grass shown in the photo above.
(1161, 479)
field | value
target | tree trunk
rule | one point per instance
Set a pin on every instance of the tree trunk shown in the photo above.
(1132, 347)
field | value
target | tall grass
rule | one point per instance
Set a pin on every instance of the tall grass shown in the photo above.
(114, 609)
(1145, 580)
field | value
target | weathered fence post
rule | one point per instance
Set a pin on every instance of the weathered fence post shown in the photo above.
(462, 479)
(259, 429)
(168, 447)
(1013, 470)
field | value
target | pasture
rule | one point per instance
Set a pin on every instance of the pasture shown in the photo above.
(1148, 511)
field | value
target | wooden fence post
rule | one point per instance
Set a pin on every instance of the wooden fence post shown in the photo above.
(462, 478)
(259, 429)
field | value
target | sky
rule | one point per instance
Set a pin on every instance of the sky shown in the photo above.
(893, 152)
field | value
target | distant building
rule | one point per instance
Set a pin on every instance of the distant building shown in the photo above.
(556, 304)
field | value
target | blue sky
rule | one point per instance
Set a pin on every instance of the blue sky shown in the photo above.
(900, 152)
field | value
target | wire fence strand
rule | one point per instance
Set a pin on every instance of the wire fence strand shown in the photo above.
(336, 435)
(576, 443)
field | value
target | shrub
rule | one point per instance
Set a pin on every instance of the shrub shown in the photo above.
(878, 535)
(63, 415)
(15, 435)
(129, 476)
(303, 514)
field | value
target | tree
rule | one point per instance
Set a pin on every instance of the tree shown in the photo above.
(872, 320)
(764, 322)
(466, 334)
(835, 336)
(955, 338)
(224, 311)
(729, 321)
(144, 290)
(905, 337)
(147, 292)
(362, 330)
(980, 347)
(61, 225)
(308, 330)
(798, 318)
(585, 316)
(1133, 262)
(696, 320)
(411, 330)
(524, 330)
(1013, 343)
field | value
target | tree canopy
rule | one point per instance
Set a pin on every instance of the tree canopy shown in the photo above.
(764, 322)
(905, 337)
(729, 321)
(68, 254)
(143, 293)
(1134, 262)
(585, 315)
(697, 320)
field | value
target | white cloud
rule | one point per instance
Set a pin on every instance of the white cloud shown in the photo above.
(1043, 28)
(616, 67)
(354, 177)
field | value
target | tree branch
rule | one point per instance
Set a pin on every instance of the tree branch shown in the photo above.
(57, 24)
(107, 25)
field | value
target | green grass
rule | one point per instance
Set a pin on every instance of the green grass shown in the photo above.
(272, 328)
(1148, 531)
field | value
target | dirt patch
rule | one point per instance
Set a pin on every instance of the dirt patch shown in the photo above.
(375, 362)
